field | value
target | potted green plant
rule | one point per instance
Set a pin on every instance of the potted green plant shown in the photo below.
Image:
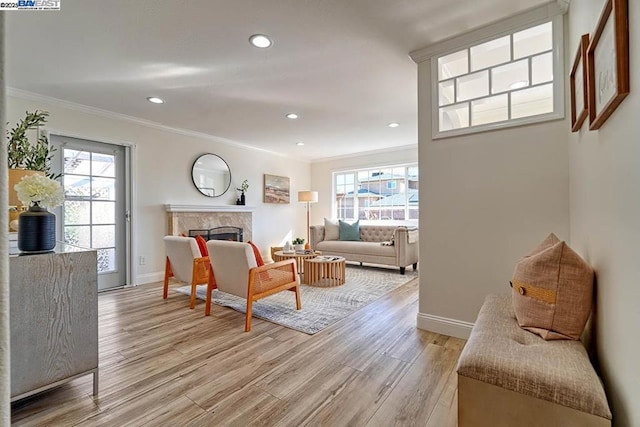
(298, 244)
(26, 157)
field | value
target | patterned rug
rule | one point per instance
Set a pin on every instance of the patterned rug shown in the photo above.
(321, 307)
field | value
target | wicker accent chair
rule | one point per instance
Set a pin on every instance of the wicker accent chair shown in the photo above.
(185, 264)
(235, 271)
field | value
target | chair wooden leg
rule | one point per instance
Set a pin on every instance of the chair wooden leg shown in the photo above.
(247, 322)
(298, 303)
(167, 274)
(207, 307)
(192, 303)
(195, 276)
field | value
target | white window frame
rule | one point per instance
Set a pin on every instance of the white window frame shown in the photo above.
(355, 171)
(469, 42)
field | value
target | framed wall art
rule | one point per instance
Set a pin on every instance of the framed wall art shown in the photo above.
(608, 63)
(578, 81)
(276, 189)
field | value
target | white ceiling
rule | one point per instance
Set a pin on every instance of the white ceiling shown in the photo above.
(342, 65)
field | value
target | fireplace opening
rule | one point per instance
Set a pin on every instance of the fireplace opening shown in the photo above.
(219, 233)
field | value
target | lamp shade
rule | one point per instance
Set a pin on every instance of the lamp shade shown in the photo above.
(308, 196)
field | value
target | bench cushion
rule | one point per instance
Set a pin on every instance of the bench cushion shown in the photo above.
(499, 352)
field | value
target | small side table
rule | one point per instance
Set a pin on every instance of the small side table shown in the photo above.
(324, 271)
(281, 256)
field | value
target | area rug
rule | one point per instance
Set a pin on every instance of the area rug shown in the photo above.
(321, 307)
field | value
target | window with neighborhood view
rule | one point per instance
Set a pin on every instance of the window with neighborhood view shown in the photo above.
(384, 193)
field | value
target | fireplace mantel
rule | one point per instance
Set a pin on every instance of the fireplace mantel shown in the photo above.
(182, 218)
(209, 208)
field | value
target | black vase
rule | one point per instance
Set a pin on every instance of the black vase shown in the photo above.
(242, 199)
(36, 230)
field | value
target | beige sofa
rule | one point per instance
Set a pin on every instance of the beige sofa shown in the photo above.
(369, 248)
(511, 377)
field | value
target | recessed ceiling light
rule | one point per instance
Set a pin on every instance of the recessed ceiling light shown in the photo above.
(393, 125)
(292, 116)
(519, 85)
(155, 100)
(260, 40)
(299, 144)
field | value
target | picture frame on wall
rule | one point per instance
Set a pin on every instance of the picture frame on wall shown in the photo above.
(276, 189)
(579, 89)
(608, 63)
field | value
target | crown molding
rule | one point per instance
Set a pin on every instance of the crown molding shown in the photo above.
(563, 5)
(366, 153)
(489, 31)
(32, 96)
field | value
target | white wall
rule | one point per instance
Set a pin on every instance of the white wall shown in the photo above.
(486, 199)
(322, 179)
(5, 332)
(163, 175)
(605, 222)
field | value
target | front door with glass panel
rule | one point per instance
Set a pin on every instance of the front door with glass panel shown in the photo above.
(94, 210)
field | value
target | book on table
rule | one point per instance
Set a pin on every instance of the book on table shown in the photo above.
(326, 258)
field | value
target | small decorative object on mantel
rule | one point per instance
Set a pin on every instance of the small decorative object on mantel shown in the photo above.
(37, 226)
(243, 188)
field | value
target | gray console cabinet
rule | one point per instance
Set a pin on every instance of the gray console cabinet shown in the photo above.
(54, 319)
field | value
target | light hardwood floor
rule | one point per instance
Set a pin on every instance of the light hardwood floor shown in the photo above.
(163, 364)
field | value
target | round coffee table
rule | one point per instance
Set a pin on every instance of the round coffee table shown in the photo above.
(324, 271)
(281, 256)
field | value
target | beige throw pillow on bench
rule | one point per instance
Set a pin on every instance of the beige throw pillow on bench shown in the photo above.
(552, 291)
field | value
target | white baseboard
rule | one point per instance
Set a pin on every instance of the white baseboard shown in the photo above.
(142, 279)
(443, 325)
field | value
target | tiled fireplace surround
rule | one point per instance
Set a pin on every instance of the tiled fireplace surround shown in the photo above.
(182, 218)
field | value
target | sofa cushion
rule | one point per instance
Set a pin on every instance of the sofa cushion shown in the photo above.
(331, 229)
(349, 231)
(377, 233)
(552, 291)
(356, 248)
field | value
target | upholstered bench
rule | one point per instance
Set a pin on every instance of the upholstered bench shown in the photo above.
(511, 377)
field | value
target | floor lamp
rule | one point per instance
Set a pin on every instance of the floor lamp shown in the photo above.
(308, 197)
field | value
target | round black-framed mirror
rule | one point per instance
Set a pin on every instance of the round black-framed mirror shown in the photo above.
(211, 175)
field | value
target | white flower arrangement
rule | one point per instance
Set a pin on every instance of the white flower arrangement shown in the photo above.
(39, 190)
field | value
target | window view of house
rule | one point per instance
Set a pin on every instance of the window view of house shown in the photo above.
(387, 193)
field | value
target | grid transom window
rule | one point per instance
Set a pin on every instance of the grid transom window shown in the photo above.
(385, 193)
(503, 81)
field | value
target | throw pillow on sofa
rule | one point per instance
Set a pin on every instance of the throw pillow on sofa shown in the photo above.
(349, 231)
(331, 229)
(552, 291)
